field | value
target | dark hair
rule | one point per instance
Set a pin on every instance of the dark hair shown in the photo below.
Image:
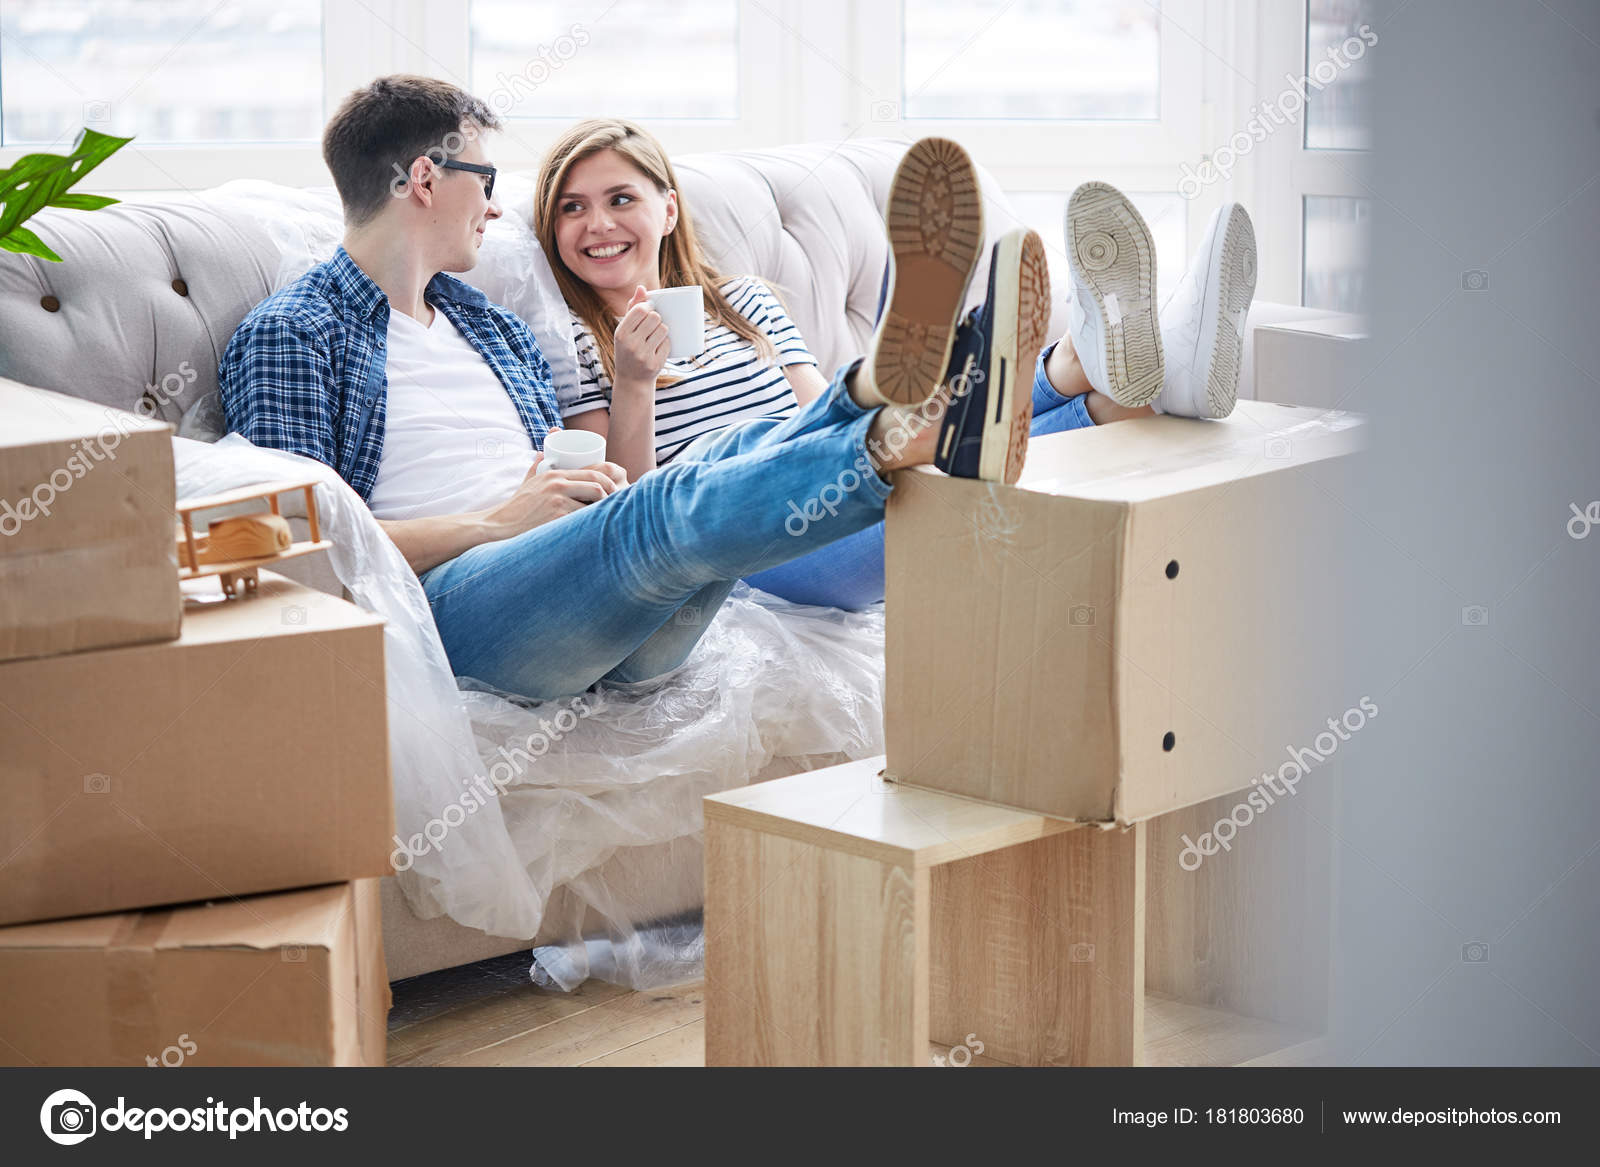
(380, 129)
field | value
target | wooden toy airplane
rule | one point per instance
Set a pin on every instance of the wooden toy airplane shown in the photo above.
(253, 541)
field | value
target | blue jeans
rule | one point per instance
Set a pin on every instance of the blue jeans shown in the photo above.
(849, 573)
(623, 589)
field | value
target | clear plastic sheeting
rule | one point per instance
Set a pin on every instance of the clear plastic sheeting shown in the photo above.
(580, 817)
(663, 952)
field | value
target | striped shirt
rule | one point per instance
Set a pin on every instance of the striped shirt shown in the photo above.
(729, 382)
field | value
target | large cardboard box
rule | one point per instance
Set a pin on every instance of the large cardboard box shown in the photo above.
(251, 754)
(87, 557)
(1316, 362)
(1145, 621)
(295, 979)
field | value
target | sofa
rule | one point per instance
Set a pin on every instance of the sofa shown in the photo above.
(154, 287)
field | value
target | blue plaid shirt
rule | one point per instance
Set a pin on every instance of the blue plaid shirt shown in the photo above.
(306, 371)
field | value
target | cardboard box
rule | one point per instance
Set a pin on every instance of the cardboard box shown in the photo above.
(86, 510)
(249, 755)
(1142, 623)
(295, 979)
(1316, 362)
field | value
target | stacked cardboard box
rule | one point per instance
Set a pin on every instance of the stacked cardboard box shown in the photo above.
(1138, 626)
(1318, 362)
(86, 505)
(291, 979)
(155, 783)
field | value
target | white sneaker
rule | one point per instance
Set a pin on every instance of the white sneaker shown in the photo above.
(1202, 322)
(1112, 318)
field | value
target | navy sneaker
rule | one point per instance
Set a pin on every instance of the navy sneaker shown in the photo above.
(985, 429)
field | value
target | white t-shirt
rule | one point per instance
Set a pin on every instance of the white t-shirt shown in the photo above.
(452, 439)
(728, 382)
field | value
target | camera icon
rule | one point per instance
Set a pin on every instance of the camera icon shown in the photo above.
(72, 1118)
(1475, 616)
(686, 616)
(294, 614)
(886, 111)
(97, 113)
(97, 783)
(1475, 281)
(294, 953)
(1475, 952)
(1081, 615)
(491, 448)
(1081, 953)
(67, 1117)
(1278, 449)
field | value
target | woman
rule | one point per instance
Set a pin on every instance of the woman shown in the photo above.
(610, 215)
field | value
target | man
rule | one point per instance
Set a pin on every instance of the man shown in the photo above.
(433, 404)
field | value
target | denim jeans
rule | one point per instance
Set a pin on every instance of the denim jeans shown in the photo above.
(623, 589)
(849, 573)
(1053, 413)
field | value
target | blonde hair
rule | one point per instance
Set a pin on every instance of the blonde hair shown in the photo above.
(681, 260)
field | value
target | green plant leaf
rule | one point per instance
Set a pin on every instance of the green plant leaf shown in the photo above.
(37, 181)
(23, 240)
(84, 202)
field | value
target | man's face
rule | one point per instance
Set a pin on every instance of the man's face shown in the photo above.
(461, 210)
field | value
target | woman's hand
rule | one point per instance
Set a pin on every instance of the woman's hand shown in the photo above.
(641, 345)
(539, 498)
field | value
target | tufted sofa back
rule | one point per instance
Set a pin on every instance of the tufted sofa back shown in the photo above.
(150, 293)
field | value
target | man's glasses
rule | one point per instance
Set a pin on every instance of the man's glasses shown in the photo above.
(488, 187)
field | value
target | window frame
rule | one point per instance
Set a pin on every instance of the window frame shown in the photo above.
(808, 72)
(1286, 172)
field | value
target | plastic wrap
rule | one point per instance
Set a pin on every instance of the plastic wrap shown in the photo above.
(591, 824)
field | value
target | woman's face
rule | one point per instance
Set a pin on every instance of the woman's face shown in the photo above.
(610, 220)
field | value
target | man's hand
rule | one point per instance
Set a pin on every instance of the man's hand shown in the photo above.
(428, 542)
(543, 497)
(641, 345)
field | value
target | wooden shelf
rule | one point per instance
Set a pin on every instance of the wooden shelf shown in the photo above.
(850, 921)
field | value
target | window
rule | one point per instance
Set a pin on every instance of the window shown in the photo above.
(164, 70)
(1044, 93)
(1337, 241)
(619, 58)
(1336, 113)
(1037, 59)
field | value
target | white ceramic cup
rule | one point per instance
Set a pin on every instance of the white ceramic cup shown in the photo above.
(572, 450)
(684, 310)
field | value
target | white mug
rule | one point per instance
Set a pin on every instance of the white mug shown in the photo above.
(684, 311)
(572, 450)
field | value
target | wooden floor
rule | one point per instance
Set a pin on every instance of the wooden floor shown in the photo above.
(491, 1014)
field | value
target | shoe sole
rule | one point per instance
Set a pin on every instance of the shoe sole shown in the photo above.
(935, 225)
(1111, 251)
(1220, 341)
(1020, 294)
